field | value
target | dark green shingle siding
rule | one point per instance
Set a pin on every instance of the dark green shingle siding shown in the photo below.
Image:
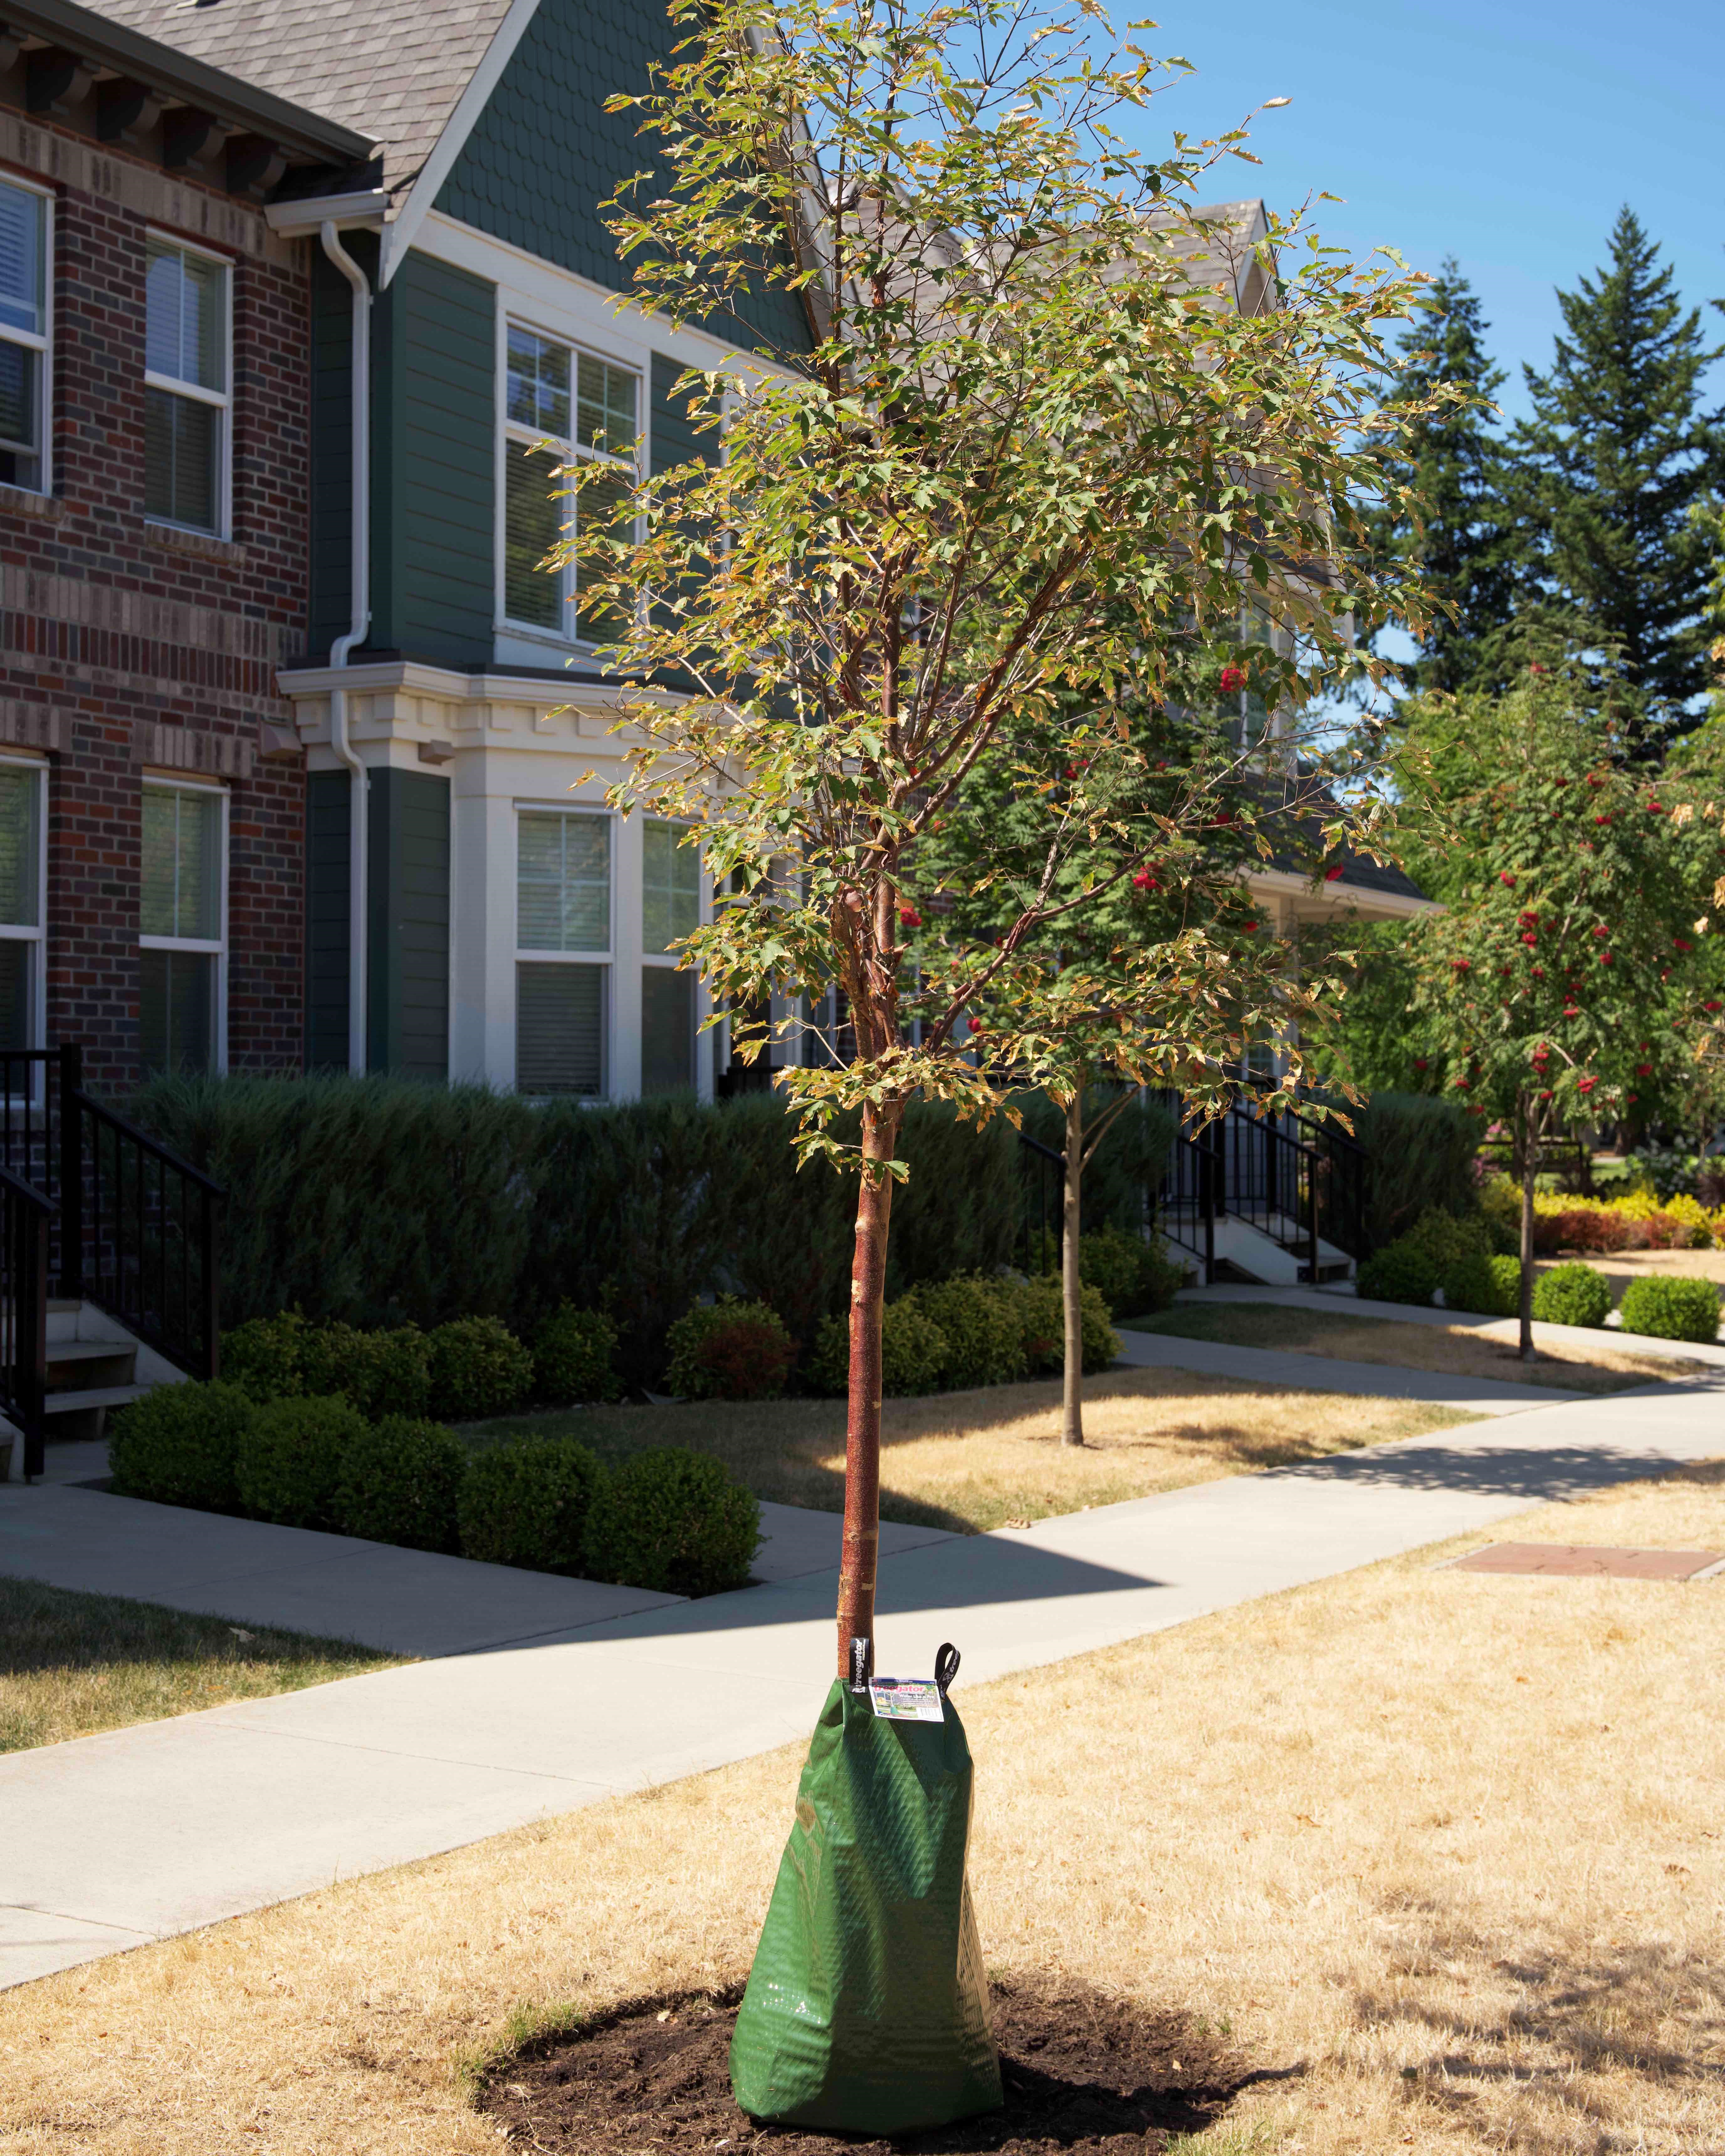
(328, 805)
(434, 417)
(545, 153)
(675, 439)
(408, 985)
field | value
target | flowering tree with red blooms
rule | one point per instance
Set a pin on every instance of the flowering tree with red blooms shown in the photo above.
(1571, 979)
(1030, 425)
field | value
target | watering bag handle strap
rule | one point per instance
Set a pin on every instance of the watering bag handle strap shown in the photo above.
(945, 1665)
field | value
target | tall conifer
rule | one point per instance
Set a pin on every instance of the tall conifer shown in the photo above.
(1617, 454)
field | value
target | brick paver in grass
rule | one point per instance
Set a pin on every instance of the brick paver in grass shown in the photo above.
(1578, 1561)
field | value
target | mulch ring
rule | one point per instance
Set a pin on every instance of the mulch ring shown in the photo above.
(1085, 2072)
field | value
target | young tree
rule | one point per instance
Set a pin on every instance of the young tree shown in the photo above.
(1456, 525)
(1035, 443)
(1606, 472)
(1569, 976)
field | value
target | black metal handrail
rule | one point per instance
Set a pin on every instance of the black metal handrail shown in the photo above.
(26, 1217)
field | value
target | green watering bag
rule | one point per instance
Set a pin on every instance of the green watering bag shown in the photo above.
(867, 2009)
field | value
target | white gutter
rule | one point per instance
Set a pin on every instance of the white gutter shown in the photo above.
(361, 609)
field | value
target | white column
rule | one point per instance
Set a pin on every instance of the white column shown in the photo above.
(482, 930)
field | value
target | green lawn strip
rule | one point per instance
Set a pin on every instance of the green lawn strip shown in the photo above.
(73, 1664)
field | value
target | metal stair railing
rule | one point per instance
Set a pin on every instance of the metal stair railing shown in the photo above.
(26, 1217)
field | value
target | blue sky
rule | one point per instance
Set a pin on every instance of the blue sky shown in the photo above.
(1507, 134)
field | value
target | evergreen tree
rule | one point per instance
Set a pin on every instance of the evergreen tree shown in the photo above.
(1451, 461)
(1618, 454)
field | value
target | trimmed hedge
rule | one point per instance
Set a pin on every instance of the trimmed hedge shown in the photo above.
(984, 1324)
(1571, 1295)
(478, 1367)
(382, 1374)
(572, 1356)
(1043, 1315)
(1420, 1157)
(177, 1445)
(400, 1483)
(526, 1504)
(729, 1350)
(673, 1521)
(1132, 1275)
(289, 1462)
(1492, 1285)
(913, 1354)
(1400, 1272)
(1672, 1309)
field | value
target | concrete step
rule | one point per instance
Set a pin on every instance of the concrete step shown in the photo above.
(85, 1363)
(81, 1417)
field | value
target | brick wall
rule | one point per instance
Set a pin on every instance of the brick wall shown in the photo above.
(124, 648)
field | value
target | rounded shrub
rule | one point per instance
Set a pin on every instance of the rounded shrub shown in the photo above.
(1672, 1309)
(289, 1464)
(1571, 1295)
(178, 1444)
(913, 1352)
(1445, 1238)
(382, 1373)
(1691, 1219)
(673, 1521)
(264, 1357)
(1400, 1272)
(728, 1350)
(983, 1325)
(1492, 1285)
(1132, 1275)
(478, 1367)
(1042, 1314)
(400, 1483)
(526, 1504)
(573, 1352)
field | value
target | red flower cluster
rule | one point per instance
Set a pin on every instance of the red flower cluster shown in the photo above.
(1461, 965)
(976, 1025)
(1144, 880)
(1587, 1085)
(1462, 1085)
(1643, 1070)
(1232, 679)
(1333, 875)
(909, 917)
(1422, 1063)
(1530, 937)
(1506, 878)
(1605, 957)
(1711, 1007)
(1600, 929)
(1682, 943)
(1603, 819)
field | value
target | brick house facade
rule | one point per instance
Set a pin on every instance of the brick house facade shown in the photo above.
(141, 638)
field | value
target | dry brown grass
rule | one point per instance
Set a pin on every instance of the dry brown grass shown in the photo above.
(1470, 1351)
(1622, 1266)
(1441, 1851)
(72, 1663)
(973, 1460)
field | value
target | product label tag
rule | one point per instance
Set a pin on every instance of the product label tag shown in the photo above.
(907, 1699)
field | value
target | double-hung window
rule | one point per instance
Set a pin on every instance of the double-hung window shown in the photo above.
(187, 395)
(671, 908)
(562, 952)
(24, 367)
(560, 407)
(183, 923)
(23, 800)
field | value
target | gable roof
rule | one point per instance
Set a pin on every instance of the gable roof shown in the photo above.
(392, 70)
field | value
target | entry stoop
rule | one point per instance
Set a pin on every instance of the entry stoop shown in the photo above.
(95, 1366)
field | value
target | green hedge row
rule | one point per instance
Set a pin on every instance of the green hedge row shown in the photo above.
(957, 1333)
(379, 1202)
(672, 1521)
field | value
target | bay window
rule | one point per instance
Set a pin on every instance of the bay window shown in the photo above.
(562, 406)
(182, 928)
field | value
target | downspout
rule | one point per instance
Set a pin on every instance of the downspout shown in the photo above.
(361, 611)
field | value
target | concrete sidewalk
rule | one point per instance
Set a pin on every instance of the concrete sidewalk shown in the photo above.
(1329, 1374)
(114, 1840)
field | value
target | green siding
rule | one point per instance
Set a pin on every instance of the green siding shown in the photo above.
(434, 464)
(329, 798)
(545, 153)
(674, 438)
(331, 460)
(407, 964)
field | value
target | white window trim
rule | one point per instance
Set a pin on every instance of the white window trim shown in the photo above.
(16, 932)
(43, 344)
(202, 946)
(606, 958)
(221, 400)
(512, 437)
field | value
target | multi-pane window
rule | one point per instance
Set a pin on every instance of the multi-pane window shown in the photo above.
(562, 406)
(21, 804)
(186, 393)
(182, 924)
(23, 334)
(671, 908)
(563, 952)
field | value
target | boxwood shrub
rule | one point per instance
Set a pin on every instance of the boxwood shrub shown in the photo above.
(1132, 1275)
(478, 1367)
(400, 1481)
(573, 1358)
(1672, 1309)
(913, 1352)
(526, 1504)
(1571, 1295)
(1400, 1272)
(177, 1446)
(673, 1521)
(985, 1325)
(262, 1356)
(728, 1350)
(1492, 1285)
(382, 1373)
(1042, 1311)
(289, 1462)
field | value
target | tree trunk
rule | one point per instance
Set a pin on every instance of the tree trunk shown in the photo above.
(1530, 1156)
(1072, 1308)
(861, 1545)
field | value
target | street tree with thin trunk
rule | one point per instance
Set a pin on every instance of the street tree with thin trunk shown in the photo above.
(1571, 977)
(1041, 432)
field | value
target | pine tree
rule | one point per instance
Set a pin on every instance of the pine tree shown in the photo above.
(1463, 541)
(1618, 454)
